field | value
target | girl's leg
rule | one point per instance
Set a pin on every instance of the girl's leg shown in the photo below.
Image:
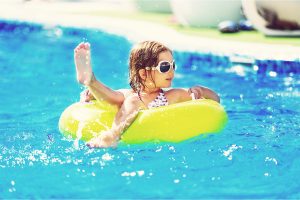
(125, 116)
(85, 76)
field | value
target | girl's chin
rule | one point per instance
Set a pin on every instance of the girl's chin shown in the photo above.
(167, 85)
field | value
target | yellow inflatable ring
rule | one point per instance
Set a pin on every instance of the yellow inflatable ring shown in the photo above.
(173, 123)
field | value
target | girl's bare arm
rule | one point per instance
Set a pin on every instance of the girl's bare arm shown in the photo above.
(101, 92)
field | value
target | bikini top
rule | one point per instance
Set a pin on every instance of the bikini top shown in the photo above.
(160, 100)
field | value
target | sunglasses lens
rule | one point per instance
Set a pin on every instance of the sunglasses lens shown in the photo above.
(165, 67)
(174, 66)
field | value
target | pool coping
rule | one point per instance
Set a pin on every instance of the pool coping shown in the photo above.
(52, 14)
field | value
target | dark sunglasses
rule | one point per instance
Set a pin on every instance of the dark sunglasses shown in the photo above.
(163, 66)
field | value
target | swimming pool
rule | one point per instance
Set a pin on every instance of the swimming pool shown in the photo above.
(256, 156)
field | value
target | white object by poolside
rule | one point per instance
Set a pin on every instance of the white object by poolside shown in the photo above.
(206, 13)
(288, 11)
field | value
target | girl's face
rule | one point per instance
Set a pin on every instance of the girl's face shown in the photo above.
(161, 80)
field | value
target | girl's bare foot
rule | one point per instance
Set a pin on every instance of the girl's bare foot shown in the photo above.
(82, 59)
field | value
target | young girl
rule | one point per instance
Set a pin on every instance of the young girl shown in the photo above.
(151, 68)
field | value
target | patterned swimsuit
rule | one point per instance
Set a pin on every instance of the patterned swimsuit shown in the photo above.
(160, 100)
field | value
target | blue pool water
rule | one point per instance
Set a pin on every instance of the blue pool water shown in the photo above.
(256, 156)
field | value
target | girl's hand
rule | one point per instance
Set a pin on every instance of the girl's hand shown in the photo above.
(105, 140)
(201, 92)
(86, 96)
(198, 92)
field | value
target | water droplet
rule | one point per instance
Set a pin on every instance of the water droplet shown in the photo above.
(132, 173)
(272, 74)
(176, 181)
(267, 174)
(140, 173)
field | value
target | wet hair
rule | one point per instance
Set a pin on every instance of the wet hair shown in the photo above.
(142, 55)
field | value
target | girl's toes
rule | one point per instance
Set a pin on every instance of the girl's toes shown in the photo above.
(90, 145)
(81, 45)
(87, 46)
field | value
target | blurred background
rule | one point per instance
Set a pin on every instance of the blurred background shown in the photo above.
(200, 17)
(205, 24)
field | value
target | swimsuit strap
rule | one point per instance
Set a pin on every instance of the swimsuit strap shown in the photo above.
(160, 100)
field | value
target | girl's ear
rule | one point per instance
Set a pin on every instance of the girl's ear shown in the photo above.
(143, 74)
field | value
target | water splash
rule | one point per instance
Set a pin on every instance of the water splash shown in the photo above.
(232, 148)
(81, 125)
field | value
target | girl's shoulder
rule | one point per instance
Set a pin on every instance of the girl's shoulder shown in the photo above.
(177, 91)
(176, 95)
(134, 99)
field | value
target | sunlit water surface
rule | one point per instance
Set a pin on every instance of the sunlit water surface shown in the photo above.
(256, 156)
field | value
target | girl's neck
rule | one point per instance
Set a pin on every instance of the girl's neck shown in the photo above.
(151, 90)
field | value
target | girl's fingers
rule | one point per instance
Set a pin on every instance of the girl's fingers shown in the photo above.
(197, 92)
(83, 96)
(88, 92)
